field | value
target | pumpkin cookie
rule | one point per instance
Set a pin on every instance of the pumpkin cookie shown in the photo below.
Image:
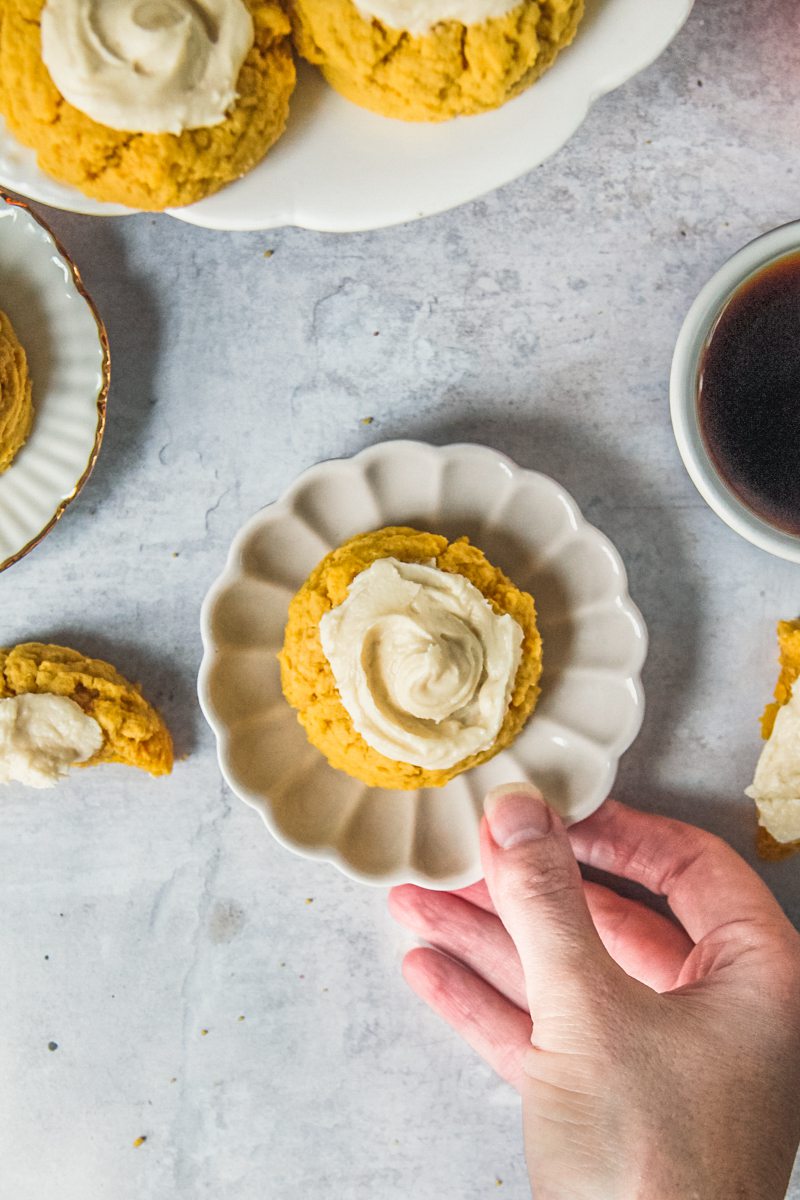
(780, 761)
(148, 170)
(16, 405)
(133, 732)
(423, 639)
(434, 73)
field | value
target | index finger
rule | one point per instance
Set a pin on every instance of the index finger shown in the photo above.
(708, 886)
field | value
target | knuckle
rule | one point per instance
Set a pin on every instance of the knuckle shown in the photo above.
(704, 852)
(716, 853)
(542, 880)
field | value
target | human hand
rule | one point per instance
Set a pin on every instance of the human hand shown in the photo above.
(664, 1062)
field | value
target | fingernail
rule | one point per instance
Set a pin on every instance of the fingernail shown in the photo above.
(517, 813)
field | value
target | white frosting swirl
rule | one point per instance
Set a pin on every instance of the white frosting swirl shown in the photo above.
(420, 16)
(147, 66)
(42, 736)
(423, 664)
(776, 786)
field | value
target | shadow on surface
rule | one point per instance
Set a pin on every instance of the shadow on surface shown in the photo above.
(127, 302)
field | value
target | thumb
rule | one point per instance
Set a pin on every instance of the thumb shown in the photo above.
(537, 890)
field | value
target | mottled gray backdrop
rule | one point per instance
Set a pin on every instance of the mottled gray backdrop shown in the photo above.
(138, 913)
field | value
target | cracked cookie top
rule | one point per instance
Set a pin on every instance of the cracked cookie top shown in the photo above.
(432, 73)
(145, 169)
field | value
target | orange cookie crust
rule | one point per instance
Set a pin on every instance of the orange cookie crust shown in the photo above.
(16, 403)
(452, 70)
(144, 170)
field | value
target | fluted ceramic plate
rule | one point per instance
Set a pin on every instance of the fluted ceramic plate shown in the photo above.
(67, 350)
(339, 168)
(591, 705)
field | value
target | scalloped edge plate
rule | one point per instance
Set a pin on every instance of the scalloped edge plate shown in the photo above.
(595, 642)
(341, 169)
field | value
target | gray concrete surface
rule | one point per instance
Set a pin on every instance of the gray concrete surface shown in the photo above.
(137, 914)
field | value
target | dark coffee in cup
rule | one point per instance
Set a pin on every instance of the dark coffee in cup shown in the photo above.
(749, 393)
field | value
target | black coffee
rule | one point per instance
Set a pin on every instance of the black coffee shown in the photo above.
(749, 394)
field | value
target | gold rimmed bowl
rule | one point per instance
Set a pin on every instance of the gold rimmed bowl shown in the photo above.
(67, 348)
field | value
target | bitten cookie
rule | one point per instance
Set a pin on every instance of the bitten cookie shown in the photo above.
(16, 404)
(145, 170)
(448, 70)
(133, 732)
(430, 676)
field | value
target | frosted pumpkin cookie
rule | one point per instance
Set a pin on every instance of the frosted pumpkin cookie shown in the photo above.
(776, 786)
(429, 60)
(59, 708)
(150, 105)
(410, 659)
(16, 405)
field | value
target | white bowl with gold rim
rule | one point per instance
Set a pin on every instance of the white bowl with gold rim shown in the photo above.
(68, 359)
(594, 638)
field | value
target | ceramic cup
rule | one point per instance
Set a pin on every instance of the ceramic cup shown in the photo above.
(684, 382)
